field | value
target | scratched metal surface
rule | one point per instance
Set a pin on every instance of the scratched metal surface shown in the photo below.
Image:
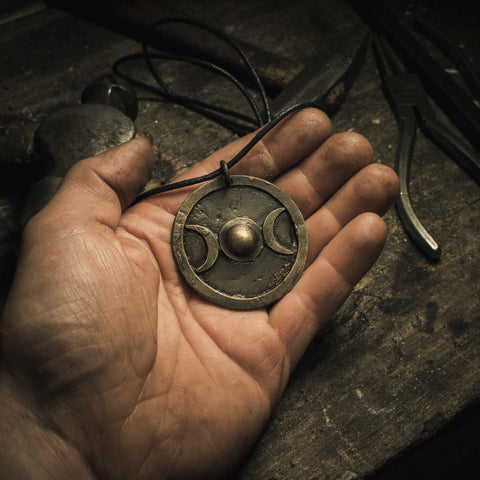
(401, 357)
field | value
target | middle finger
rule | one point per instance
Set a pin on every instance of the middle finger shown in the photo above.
(325, 170)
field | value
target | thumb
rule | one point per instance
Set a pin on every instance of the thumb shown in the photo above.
(100, 188)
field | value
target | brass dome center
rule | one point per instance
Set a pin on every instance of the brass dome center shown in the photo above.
(241, 240)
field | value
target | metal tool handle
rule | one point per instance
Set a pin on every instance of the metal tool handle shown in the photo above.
(453, 51)
(411, 222)
(465, 156)
(455, 102)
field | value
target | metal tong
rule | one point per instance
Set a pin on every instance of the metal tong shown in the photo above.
(412, 109)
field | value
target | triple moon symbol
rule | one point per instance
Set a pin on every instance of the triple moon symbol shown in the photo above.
(268, 234)
(255, 241)
(211, 243)
(240, 239)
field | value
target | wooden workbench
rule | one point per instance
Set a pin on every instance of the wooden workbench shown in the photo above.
(389, 376)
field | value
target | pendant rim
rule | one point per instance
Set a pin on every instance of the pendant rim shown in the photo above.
(204, 289)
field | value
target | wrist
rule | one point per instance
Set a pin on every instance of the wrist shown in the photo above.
(29, 448)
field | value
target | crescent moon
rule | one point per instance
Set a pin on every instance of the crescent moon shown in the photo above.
(268, 234)
(212, 246)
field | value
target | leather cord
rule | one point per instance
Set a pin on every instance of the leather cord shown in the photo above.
(236, 121)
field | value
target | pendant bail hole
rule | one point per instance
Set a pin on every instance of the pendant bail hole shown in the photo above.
(225, 172)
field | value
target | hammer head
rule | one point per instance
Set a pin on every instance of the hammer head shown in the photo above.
(81, 131)
(115, 91)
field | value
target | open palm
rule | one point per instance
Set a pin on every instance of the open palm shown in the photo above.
(124, 371)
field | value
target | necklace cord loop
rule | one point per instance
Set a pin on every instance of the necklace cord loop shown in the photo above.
(236, 121)
(225, 172)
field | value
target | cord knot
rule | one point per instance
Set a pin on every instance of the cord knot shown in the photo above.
(225, 172)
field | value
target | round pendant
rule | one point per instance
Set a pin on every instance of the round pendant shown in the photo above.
(242, 246)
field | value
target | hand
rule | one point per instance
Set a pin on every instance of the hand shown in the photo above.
(114, 368)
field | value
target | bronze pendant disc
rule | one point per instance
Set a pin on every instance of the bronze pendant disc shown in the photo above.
(242, 246)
